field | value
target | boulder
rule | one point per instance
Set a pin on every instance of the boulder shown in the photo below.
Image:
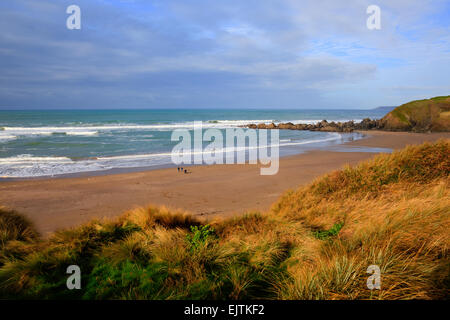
(261, 126)
(288, 125)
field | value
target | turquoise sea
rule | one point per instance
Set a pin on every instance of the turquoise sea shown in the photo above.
(48, 142)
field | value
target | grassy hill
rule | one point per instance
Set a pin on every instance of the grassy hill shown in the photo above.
(420, 116)
(315, 243)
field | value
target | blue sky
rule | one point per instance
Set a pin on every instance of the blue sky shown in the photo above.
(222, 54)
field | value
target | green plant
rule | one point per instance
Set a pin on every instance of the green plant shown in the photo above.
(324, 234)
(199, 235)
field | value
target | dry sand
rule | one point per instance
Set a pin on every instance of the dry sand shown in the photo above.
(209, 191)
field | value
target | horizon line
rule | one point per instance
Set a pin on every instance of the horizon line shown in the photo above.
(179, 109)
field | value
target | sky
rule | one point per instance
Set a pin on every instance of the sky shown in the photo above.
(222, 54)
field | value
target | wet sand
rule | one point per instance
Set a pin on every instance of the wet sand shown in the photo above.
(208, 191)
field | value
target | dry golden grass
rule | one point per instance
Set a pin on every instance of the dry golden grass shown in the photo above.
(151, 216)
(17, 235)
(405, 234)
(315, 243)
(15, 227)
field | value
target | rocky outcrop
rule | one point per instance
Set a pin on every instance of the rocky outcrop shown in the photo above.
(324, 125)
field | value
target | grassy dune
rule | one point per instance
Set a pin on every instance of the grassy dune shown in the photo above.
(315, 243)
(420, 115)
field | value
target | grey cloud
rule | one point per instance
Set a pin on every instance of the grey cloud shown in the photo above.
(189, 53)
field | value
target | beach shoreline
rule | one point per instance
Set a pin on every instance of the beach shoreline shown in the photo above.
(284, 151)
(209, 191)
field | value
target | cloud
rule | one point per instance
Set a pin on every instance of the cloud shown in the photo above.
(219, 53)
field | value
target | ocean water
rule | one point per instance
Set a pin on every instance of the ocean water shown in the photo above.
(48, 143)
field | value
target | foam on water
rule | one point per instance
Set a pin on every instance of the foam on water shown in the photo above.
(6, 137)
(92, 130)
(151, 127)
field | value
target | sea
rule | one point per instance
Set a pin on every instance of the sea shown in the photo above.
(43, 143)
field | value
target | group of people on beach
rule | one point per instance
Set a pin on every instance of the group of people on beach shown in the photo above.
(180, 169)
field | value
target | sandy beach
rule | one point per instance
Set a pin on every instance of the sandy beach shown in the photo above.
(208, 191)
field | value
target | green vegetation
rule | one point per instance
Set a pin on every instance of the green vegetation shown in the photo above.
(325, 234)
(199, 236)
(421, 115)
(315, 243)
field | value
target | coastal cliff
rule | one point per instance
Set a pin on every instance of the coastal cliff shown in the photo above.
(420, 116)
